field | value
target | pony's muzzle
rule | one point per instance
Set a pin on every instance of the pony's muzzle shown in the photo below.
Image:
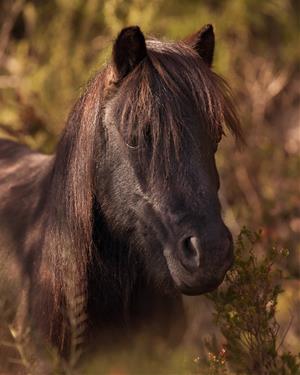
(198, 266)
(197, 257)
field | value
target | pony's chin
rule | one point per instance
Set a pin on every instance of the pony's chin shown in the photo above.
(195, 290)
(196, 283)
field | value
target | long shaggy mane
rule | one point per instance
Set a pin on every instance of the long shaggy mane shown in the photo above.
(156, 101)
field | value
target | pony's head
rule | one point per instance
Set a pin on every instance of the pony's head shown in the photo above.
(162, 119)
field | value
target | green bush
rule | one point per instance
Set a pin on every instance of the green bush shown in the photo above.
(245, 311)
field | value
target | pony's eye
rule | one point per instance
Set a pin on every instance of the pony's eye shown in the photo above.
(133, 142)
(135, 139)
(131, 138)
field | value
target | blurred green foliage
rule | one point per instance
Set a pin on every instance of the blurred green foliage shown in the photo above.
(49, 49)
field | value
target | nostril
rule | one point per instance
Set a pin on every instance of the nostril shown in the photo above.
(191, 250)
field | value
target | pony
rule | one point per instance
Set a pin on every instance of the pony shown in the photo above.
(105, 236)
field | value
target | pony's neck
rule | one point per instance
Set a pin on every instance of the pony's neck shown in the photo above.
(122, 298)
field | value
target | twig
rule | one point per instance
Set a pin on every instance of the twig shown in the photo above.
(12, 132)
(9, 81)
(19, 345)
(286, 332)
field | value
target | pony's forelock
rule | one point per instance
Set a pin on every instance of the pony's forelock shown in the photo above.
(160, 96)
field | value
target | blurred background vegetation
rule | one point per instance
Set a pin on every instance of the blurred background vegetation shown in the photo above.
(49, 49)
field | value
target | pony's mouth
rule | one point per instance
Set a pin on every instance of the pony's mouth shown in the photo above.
(205, 287)
(199, 281)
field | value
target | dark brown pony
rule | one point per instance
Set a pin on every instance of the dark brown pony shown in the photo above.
(104, 236)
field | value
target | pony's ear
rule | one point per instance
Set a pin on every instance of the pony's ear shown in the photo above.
(204, 43)
(128, 51)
